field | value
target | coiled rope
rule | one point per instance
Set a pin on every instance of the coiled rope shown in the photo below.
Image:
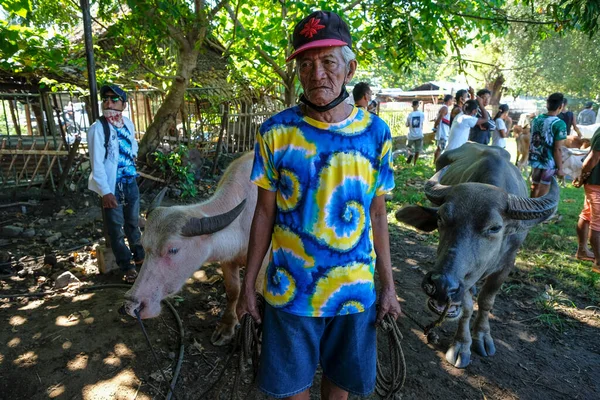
(386, 387)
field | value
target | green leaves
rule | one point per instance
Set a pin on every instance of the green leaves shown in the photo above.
(171, 164)
(18, 8)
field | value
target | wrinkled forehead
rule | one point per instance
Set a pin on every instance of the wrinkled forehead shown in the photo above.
(320, 53)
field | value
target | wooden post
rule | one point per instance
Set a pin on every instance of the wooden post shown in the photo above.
(49, 172)
(223, 125)
(26, 162)
(67, 167)
(14, 116)
(39, 164)
(61, 126)
(28, 117)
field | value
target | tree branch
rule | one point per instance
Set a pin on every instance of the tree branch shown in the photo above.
(179, 37)
(260, 51)
(351, 5)
(78, 7)
(455, 45)
(217, 8)
(136, 54)
(504, 19)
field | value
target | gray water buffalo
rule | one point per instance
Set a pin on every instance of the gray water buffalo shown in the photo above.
(483, 217)
(180, 239)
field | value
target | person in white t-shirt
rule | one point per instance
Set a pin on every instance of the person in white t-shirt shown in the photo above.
(462, 124)
(442, 126)
(414, 122)
(501, 132)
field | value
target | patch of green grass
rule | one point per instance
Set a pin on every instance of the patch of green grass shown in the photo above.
(550, 303)
(409, 180)
(548, 252)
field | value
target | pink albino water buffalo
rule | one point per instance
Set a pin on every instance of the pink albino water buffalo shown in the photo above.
(178, 240)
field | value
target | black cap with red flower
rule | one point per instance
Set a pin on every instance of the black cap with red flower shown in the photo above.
(320, 29)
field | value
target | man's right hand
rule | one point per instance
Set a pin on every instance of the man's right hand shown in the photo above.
(109, 201)
(247, 305)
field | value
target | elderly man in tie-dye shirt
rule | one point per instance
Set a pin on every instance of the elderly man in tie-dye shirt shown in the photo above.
(322, 169)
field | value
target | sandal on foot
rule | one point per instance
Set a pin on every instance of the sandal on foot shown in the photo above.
(584, 258)
(596, 269)
(130, 276)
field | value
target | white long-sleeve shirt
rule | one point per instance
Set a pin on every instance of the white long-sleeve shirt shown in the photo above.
(103, 178)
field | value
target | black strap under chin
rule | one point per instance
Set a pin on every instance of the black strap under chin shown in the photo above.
(343, 96)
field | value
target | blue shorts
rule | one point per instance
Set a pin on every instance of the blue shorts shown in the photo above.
(293, 346)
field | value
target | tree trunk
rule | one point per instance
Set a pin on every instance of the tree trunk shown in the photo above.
(166, 115)
(290, 96)
(495, 85)
(40, 126)
(290, 91)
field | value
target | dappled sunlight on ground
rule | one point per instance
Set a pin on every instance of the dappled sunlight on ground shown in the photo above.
(28, 359)
(32, 305)
(122, 386)
(79, 362)
(55, 391)
(17, 320)
(82, 297)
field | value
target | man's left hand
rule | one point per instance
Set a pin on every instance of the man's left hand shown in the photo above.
(388, 304)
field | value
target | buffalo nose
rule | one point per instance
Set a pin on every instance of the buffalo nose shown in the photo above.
(442, 287)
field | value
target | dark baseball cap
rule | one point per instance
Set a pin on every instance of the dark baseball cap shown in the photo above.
(589, 104)
(320, 29)
(115, 89)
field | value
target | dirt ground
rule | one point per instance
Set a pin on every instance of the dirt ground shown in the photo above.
(75, 345)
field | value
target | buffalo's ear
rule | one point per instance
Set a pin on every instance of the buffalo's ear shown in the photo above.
(422, 218)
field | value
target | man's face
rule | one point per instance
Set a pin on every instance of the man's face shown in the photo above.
(464, 98)
(485, 99)
(111, 101)
(322, 74)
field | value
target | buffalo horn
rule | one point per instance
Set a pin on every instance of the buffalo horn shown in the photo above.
(157, 200)
(434, 190)
(525, 208)
(207, 225)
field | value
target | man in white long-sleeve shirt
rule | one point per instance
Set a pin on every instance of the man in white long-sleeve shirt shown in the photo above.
(113, 177)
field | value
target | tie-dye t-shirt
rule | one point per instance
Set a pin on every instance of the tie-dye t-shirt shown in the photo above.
(322, 258)
(126, 166)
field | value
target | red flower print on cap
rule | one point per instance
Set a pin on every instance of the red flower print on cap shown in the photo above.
(311, 28)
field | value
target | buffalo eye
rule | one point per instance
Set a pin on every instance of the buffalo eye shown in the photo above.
(173, 250)
(495, 229)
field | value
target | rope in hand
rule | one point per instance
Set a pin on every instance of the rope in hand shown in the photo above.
(246, 343)
(386, 387)
(248, 339)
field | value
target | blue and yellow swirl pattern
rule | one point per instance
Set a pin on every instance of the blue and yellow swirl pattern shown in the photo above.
(326, 175)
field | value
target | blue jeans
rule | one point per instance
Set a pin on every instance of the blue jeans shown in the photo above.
(123, 222)
(293, 346)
